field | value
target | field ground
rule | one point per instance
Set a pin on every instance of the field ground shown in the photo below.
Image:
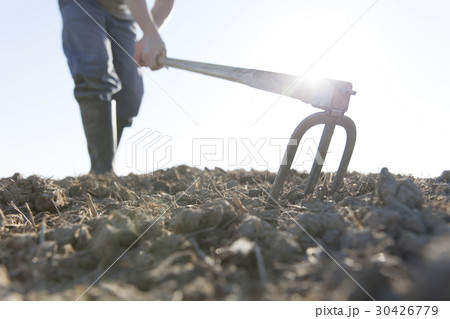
(191, 234)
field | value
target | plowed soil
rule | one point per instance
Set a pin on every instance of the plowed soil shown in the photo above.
(190, 234)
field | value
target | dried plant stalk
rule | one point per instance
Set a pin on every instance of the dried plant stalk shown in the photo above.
(92, 209)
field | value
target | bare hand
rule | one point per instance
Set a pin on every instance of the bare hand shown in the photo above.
(147, 51)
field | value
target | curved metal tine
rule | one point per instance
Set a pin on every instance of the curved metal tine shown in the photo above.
(350, 128)
(297, 135)
(321, 153)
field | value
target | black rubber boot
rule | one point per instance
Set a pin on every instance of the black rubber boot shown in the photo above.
(96, 116)
(121, 124)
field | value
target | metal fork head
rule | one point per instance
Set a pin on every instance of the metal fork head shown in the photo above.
(330, 121)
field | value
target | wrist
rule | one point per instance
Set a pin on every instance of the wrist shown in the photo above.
(153, 39)
(150, 31)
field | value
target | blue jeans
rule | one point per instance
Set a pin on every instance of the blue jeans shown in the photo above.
(95, 54)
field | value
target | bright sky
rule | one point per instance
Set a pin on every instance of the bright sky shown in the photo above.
(397, 56)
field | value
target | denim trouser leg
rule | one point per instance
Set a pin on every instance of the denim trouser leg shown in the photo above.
(128, 99)
(99, 67)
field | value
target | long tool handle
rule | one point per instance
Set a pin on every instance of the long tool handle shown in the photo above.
(279, 83)
(325, 94)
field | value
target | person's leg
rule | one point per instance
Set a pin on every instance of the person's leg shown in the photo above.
(128, 99)
(88, 51)
(96, 116)
(121, 124)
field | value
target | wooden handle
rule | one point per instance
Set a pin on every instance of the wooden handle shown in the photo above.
(283, 84)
